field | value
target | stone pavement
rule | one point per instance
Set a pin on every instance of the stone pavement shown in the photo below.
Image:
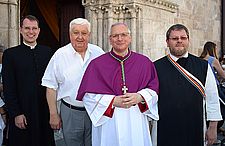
(220, 137)
(59, 138)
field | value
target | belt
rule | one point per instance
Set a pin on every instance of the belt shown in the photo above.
(73, 107)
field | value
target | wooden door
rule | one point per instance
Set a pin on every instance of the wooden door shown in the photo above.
(69, 9)
(66, 11)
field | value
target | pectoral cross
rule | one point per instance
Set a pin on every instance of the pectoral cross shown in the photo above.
(124, 89)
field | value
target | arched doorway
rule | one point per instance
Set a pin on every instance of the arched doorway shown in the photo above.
(54, 17)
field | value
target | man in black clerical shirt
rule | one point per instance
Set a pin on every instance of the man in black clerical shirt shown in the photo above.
(22, 69)
(186, 83)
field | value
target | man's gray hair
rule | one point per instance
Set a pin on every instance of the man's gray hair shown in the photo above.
(119, 23)
(80, 21)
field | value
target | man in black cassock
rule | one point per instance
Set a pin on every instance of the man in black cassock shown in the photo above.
(23, 68)
(187, 92)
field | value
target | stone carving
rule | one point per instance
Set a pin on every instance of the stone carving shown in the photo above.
(161, 4)
(103, 13)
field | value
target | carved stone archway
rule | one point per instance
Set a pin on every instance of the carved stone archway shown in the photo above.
(103, 13)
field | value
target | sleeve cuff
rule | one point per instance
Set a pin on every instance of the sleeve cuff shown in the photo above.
(143, 106)
(110, 110)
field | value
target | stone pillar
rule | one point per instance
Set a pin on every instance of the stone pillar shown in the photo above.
(13, 21)
(110, 22)
(92, 19)
(102, 14)
(135, 19)
(9, 25)
(139, 34)
(133, 33)
(99, 29)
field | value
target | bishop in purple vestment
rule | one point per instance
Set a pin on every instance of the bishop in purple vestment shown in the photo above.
(119, 90)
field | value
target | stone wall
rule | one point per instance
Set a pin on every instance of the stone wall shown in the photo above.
(156, 21)
(147, 19)
(150, 19)
(203, 18)
(9, 33)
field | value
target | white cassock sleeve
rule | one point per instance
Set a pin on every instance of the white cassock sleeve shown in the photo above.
(97, 104)
(151, 98)
(212, 98)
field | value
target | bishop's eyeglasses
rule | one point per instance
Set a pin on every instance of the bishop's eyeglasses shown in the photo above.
(122, 35)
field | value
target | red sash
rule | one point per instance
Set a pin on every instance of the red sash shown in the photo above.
(193, 80)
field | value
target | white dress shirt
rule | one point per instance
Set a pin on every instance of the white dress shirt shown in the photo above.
(65, 71)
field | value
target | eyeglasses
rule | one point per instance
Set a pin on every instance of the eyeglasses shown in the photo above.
(177, 38)
(122, 35)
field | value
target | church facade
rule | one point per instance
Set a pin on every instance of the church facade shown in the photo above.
(147, 19)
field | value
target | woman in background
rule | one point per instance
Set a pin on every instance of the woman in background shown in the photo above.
(209, 54)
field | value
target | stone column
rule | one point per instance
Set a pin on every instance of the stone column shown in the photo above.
(9, 25)
(139, 34)
(135, 14)
(100, 28)
(13, 23)
(109, 24)
(102, 14)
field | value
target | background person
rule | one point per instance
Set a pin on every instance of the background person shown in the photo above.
(3, 118)
(209, 54)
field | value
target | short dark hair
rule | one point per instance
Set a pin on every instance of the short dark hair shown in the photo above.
(30, 17)
(176, 27)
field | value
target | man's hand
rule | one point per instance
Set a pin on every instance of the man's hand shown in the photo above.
(20, 121)
(1, 87)
(127, 100)
(55, 121)
(4, 118)
(211, 133)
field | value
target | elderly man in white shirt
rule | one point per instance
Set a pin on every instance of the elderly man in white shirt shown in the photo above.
(62, 79)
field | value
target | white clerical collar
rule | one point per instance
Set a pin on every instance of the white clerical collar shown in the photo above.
(31, 47)
(175, 58)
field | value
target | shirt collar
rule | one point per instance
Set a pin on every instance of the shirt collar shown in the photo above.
(75, 52)
(175, 58)
(87, 53)
(31, 47)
